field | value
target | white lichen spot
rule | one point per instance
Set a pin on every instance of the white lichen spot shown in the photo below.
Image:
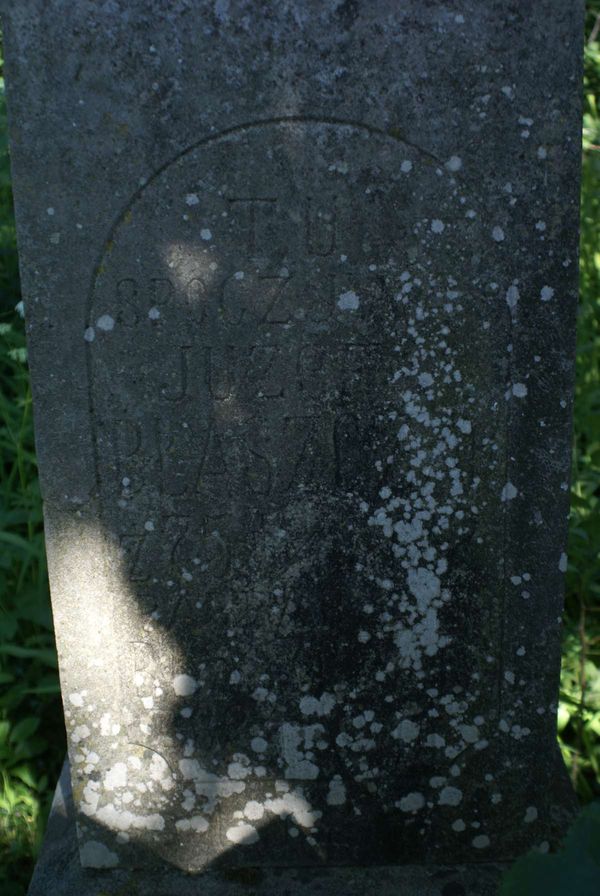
(437, 781)
(337, 792)
(254, 810)
(339, 167)
(406, 166)
(192, 199)
(89, 334)
(91, 798)
(206, 234)
(154, 313)
(196, 823)
(481, 841)
(519, 390)
(160, 772)
(498, 234)
(294, 805)
(424, 585)
(242, 834)
(80, 733)
(412, 802)
(298, 766)
(509, 492)
(258, 744)
(117, 820)
(531, 814)
(116, 776)
(209, 785)
(512, 296)
(450, 796)
(437, 226)
(469, 733)
(546, 293)
(94, 854)
(454, 163)
(76, 699)
(562, 563)
(105, 725)
(184, 685)
(458, 825)
(311, 706)
(105, 323)
(406, 731)
(240, 768)
(348, 301)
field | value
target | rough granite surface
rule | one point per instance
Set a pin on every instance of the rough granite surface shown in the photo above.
(59, 873)
(300, 290)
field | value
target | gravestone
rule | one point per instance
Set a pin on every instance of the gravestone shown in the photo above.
(300, 289)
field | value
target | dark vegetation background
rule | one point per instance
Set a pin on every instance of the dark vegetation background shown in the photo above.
(32, 740)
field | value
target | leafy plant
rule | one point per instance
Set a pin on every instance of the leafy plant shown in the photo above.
(31, 732)
(573, 871)
(579, 710)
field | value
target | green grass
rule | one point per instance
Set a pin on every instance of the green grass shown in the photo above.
(579, 712)
(31, 730)
(32, 741)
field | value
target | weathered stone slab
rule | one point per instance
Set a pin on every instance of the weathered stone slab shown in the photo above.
(300, 292)
(59, 871)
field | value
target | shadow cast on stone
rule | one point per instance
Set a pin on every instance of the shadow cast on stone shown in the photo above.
(59, 871)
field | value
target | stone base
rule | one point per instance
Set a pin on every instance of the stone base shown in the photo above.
(58, 873)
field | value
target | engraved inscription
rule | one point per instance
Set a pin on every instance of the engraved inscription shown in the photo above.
(285, 420)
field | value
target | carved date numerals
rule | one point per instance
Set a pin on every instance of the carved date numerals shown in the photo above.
(175, 543)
